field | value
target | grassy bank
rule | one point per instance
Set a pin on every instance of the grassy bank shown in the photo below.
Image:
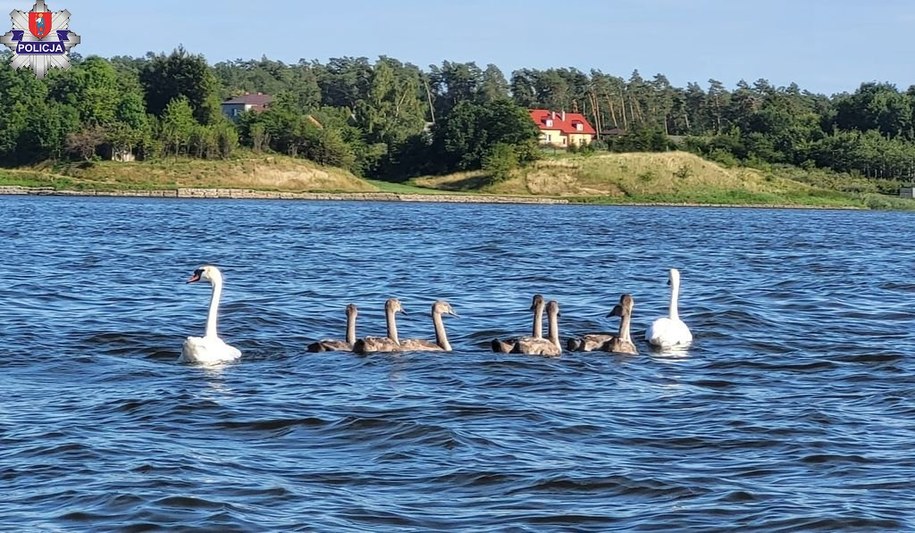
(669, 177)
(266, 173)
(630, 178)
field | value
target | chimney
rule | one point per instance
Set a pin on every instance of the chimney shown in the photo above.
(553, 115)
(563, 115)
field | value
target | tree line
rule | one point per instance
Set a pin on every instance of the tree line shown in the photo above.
(391, 120)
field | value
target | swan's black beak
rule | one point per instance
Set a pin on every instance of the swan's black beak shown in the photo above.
(195, 276)
(616, 311)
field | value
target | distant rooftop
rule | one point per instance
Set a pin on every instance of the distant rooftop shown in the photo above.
(255, 99)
(562, 121)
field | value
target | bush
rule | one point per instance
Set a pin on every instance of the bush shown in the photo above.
(86, 141)
(500, 161)
(587, 149)
(597, 145)
(226, 139)
(724, 158)
(683, 172)
(879, 201)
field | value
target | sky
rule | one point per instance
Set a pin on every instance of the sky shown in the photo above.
(825, 46)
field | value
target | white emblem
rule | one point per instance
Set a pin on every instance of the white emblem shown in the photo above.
(50, 48)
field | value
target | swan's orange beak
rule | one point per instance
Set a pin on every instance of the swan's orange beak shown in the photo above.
(194, 277)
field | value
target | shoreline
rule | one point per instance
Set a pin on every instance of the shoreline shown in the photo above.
(251, 194)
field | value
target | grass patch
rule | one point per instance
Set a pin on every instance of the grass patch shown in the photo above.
(247, 171)
(29, 178)
(409, 187)
(474, 181)
(671, 177)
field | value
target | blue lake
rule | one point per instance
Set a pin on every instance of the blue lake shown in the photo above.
(793, 410)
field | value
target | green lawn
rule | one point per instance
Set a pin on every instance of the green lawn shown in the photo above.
(409, 188)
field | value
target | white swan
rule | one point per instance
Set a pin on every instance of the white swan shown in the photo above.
(669, 331)
(209, 349)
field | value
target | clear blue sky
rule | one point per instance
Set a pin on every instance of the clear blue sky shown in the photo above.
(825, 46)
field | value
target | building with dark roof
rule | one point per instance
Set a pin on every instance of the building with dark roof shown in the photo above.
(235, 107)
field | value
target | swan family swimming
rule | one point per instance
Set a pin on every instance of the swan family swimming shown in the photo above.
(664, 333)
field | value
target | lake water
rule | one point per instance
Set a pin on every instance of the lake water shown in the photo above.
(793, 410)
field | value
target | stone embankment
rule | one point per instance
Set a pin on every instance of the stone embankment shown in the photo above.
(276, 195)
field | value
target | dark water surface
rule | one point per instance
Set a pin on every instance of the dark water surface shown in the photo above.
(793, 410)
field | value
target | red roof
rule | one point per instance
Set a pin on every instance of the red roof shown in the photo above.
(569, 125)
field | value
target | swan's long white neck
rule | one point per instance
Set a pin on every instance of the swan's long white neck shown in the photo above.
(674, 296)
(441, 338)
(538, 321)
(214, 307)
(392, 325)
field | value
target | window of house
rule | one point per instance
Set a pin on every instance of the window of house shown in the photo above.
(579, 127)
(549, 123)
(549, 137)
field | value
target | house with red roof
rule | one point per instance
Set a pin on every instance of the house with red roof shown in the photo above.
(234, 107)
(562, 129)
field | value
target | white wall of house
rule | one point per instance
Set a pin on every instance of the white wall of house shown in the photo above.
(233, 111)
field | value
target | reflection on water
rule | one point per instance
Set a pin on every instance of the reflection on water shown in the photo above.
(791, 410)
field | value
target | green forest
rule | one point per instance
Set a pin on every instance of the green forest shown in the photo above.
(391, 120)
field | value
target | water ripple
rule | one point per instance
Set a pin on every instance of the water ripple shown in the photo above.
(791, 411)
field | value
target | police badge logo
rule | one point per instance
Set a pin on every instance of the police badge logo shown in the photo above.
(32, 39)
